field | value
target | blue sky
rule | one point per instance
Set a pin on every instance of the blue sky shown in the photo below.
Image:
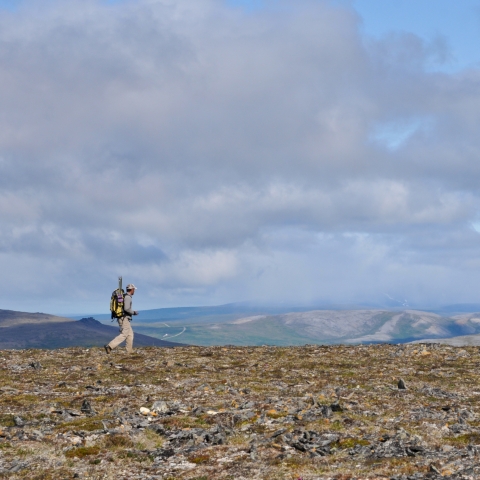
(458, 22)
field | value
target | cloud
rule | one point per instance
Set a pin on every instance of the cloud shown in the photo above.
(212, 154)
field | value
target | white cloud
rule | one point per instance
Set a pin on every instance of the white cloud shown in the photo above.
(216, 155)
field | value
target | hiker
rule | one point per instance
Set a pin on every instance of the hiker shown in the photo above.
(126, 332)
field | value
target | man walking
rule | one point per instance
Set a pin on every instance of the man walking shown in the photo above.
(126, 332)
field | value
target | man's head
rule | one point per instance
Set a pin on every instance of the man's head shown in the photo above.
(131, 289)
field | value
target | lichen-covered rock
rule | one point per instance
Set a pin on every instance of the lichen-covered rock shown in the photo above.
(160, 407)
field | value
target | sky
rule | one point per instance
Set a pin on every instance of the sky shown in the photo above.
(211, 151)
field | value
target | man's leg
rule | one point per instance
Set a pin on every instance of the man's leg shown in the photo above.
(128, 332)
(120, 338)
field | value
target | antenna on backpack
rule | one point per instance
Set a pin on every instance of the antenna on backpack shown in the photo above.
(120, 283)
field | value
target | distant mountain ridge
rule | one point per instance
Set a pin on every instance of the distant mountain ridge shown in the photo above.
(183, 313)
(461, 308)
(318, 326)
(463, 339)
(244, 309)
(19, 330)
(242, 324)
(10, 318)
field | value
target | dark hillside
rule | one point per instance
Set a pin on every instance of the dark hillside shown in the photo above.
(87, 332)
(10, 318)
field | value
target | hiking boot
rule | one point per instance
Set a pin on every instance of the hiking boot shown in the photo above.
(108, 349)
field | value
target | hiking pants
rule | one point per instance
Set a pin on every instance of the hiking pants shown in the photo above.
(126, 333)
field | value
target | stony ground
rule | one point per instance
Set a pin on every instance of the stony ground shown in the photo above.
(230, 413)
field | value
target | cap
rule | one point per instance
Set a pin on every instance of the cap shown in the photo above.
(131, 286)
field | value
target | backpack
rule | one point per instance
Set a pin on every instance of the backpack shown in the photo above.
(116, 301)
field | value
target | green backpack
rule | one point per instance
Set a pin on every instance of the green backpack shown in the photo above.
(116, 301)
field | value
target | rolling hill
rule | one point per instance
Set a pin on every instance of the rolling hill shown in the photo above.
(316, 327)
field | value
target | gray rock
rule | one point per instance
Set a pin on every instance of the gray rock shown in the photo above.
(458, 428)
(437, 392)
(217, 439)
(9, 390)
(248, 415)
(19, 422)
(336, 407)
(325, 411)
(401, 384)
(299, 446)
(74, 413)
(142, 424)
(160, 406)
(17, 465)
(157, 428)
(310, 415)
(164, 453)
(87, 407)
(278, 433)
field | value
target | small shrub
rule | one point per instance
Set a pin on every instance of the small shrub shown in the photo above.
(199, 459)
(175, 422)
(87, 424)
(7, 420)
(137, 457)
(350, 442)
(149, 440)
(337, 425)
(23, 452)
(465, 439)
(81, 452)
(118, 441)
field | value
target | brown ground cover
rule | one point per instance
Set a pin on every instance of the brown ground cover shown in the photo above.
(308, 412)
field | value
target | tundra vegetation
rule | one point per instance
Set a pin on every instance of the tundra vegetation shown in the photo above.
(309, 412)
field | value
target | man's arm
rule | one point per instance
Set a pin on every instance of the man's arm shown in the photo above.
(127, 306)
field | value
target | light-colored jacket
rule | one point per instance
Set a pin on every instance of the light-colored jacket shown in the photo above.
(127, 307)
